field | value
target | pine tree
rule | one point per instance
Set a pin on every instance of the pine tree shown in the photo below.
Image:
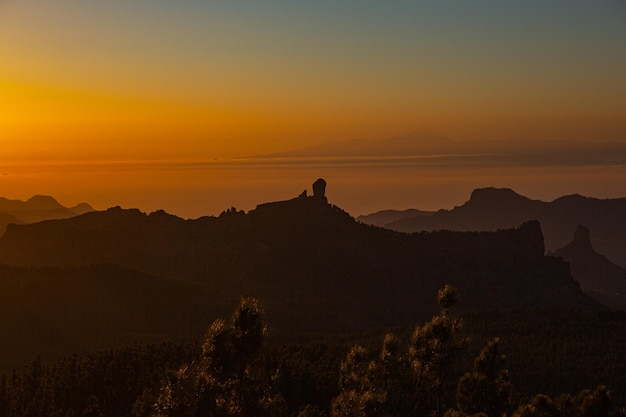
(225, 380)
(431, 348)
(487, 389)
(401, 380)
(360, 395)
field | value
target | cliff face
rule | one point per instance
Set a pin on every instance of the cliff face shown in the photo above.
(531, 239)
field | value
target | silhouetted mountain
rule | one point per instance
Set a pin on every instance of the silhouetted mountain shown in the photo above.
(598, 277)
(81, 208)
(384, 217)
(10, 205)
(37, 208)
(41, 203)
(499, 208)
(313, 265)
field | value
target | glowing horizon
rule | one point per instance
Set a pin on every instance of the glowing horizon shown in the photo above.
(148, 81)
(192, 189)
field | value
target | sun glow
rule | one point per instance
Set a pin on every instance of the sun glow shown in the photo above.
(89, 89)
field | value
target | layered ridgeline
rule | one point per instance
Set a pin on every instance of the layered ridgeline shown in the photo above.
(313, 266)
(501, 208)
(36, 209)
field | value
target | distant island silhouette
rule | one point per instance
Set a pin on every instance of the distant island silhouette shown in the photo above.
(424, 142)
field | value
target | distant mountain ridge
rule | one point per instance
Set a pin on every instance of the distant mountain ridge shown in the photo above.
(314, 267)
(385, 217)
(35, 203)
(299, 246)
(500, 208)
(35, 209)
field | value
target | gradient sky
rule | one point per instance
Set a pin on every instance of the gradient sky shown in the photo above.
(155, 80)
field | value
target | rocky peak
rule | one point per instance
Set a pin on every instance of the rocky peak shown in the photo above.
(42, 202)
(82, 208)
(579, 247)
(319, 188)
(582, 239)
(494, 196)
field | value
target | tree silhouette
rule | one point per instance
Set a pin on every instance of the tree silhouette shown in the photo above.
(360, 395)
(431, 347)
(402, 380)
(587, 403)
(539, 406)
(487, 388)
(225, 380)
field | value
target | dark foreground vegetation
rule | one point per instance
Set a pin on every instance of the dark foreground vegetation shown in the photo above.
(558, 363)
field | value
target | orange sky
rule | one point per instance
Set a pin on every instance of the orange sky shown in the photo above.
(160, 81)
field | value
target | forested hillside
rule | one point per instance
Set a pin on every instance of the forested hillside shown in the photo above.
(53, 312)
(568, 357)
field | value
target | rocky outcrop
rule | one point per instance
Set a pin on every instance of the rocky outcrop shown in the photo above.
(319, 196)
(579, 247)
(598, 277)
(319, 188)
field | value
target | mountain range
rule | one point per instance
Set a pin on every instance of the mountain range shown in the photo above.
(117, 274)
(501, 208)
(37, 208)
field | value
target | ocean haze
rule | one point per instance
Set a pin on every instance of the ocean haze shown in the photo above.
(364, 175)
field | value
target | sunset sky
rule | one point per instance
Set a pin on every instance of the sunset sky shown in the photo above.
(143, 103)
